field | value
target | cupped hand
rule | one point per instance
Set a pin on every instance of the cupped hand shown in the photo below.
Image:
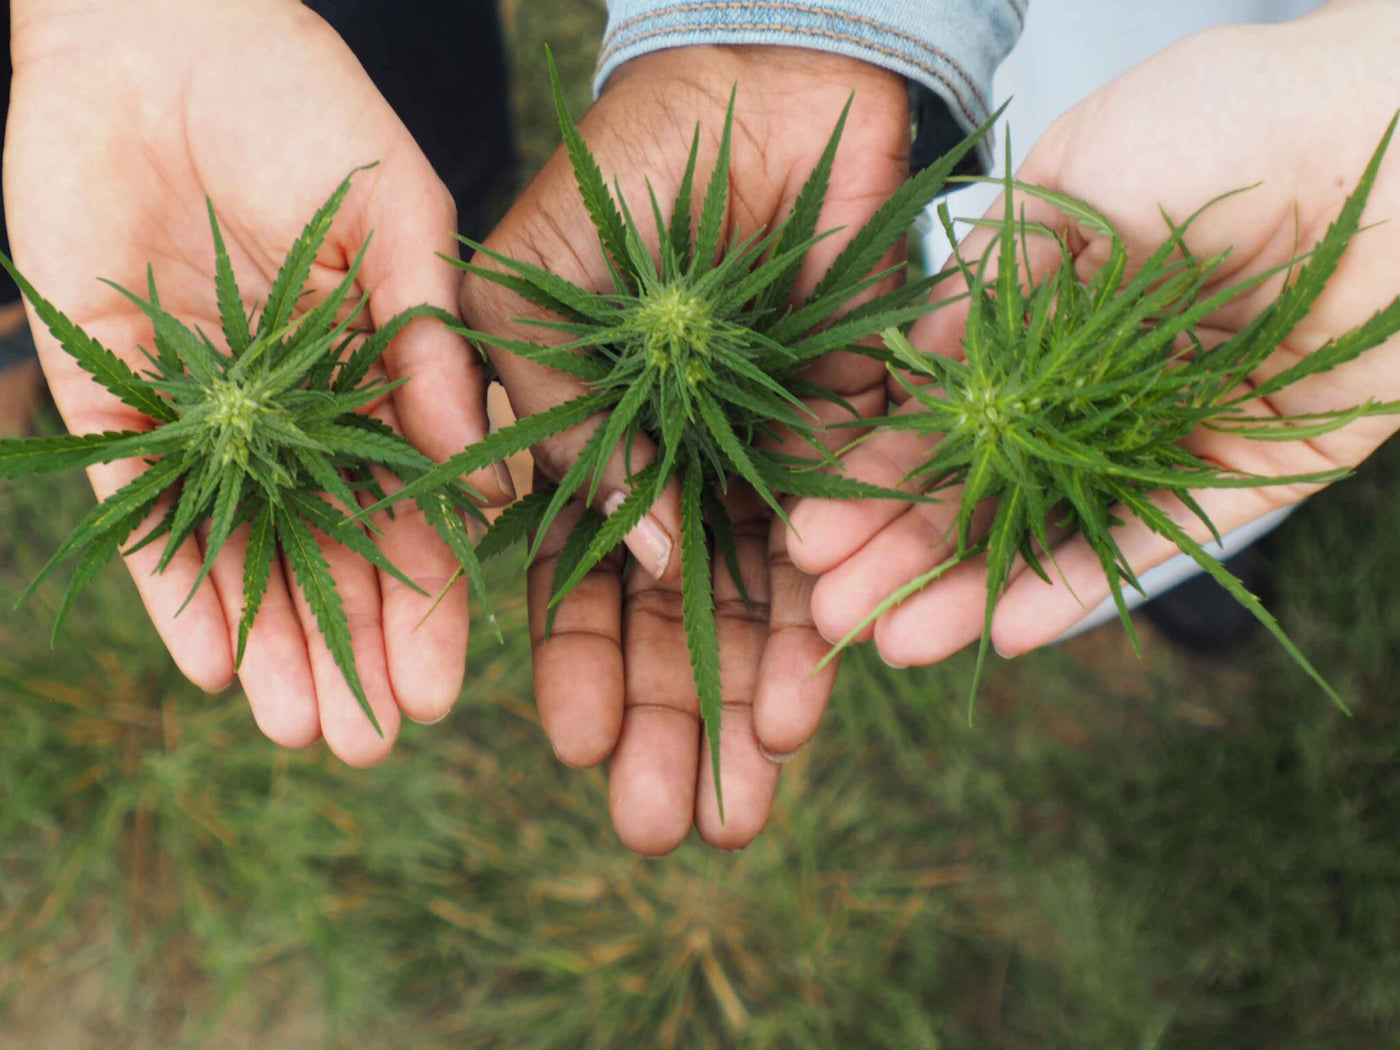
(613, 679)
(123, 119)
(1296, 108)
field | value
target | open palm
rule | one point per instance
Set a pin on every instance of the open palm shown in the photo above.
(1220, 111)
(613, 678)
(124, 118)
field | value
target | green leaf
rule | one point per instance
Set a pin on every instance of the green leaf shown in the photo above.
(94, 359)
(1274, 325)
(896, 598)
(806, 478)
(231, 316)
(1002, 543)
(591, 185)
(498, 446)
(736, 454)
(577, 544)
(337, 526)
(291, 278)
(590, 460)
(1347, 347)
(20, 457)
(357, 365)
(195, 497)
(722, 533)
(543, 288)
(443, 517)
(680, 215)
(698, 617)
(257, 571)
(619, 419)
(111, 514)
(801, 224)
(894, 217)
(610, 532)
(516, 523)
(366, 446)
(716, 199)
(1161, 523)
(313, 575)
(95, 555)
(175, 342)
(221, 524)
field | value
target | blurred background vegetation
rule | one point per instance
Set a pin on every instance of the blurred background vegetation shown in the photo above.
(1160, 853)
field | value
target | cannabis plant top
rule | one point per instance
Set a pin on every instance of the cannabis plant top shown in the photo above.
(262, 433)
(700, 349)
(1073, 398)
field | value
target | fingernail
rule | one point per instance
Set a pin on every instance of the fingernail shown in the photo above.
(997, 649)
(891, 663)
(432, 721)
(781, 758)
(656, 541)
(611, 504)
(648, 541)
(504, 479)
(826, 638)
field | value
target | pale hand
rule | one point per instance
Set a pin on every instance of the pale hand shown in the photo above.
(124, 117)
(1297, 108)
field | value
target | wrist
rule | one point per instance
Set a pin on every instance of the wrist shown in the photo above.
(769, 78)
(949, 48)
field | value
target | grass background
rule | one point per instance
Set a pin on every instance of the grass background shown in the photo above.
(1121, 853)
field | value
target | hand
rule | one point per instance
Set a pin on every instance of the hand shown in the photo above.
(614, 677)
(124, 117)
(1222, 110)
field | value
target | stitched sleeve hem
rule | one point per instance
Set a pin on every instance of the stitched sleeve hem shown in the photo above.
(951, 48)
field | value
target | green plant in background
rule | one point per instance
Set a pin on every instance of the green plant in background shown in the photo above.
(703, 354)
(1120, 848)
(1073, 398)
(260, 434)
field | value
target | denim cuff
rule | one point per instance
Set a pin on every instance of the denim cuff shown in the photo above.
(947, 47)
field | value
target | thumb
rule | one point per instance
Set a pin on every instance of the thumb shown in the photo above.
(442, 408)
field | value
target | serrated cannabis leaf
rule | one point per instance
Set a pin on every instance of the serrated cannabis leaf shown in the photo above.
(1073, 398)
(251, 435)
(704, 354)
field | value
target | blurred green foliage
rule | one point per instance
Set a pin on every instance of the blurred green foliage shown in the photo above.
(1161, 853)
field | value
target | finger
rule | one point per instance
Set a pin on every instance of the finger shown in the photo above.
(197, 637)
(825, 532)
(425, 632)
(276, 671)
(347, 730)
(950, 613)
(909, 547)
(443, 406)
(652, 540)
(938, 621)
(1033, 613)
(749, 778)
(578, 666)
(789, 699)
(652, 776)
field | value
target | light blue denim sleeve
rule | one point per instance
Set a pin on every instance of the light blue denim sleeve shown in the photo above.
(947, 47)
